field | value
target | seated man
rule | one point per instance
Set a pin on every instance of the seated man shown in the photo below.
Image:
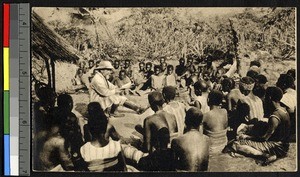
(64, 138)
(123, 82)
(148, 73)
(180, 69)
(174, 107)
(106, 93)
(215, 122)
(162, 158)
(260, 86)
(191, 149)
(190, 65)
(254, 102)
(163, 67)
(139, 77)
(170, 77)
(201, 92)
(289, 98)
(273, 144)
(157, 79)
(154, 123)
(54, 155)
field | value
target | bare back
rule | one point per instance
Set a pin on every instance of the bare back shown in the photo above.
(154, 123)
(215, 120)
(191, 151)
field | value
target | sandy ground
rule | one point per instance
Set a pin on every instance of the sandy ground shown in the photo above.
(217, 162)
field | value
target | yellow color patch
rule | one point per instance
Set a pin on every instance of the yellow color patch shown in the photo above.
(6, 67)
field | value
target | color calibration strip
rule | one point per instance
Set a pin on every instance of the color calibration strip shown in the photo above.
(16, 72)
(14, 89)
(6, 110)
(23, 73)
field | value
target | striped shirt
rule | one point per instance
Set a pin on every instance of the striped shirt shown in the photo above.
(90, 152)
(256, 107)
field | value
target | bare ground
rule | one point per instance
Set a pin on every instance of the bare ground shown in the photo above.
(217, 162)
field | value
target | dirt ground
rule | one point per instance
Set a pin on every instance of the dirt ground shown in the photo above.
(217, 162)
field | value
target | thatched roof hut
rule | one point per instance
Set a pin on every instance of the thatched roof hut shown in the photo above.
(47, 44)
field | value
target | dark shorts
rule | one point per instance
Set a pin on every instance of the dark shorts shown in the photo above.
(279, 149)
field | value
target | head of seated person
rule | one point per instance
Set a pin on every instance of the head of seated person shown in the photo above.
(292, 73)
(122, 74)
(169, 93)
(227, 84)
(273, 95)
(157, 69)
(148, 66)
(285, 81)
(215, 98)
(200, 87)
(193, 118)
(253, 74)
(156, 100)
(170, 69)
(163, 66)
(142, 66)
(246, 85)
(65, 102)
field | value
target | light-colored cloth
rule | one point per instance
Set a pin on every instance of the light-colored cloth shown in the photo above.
(218, 140)
(157, 82)
(100, 158)
(290, 99)
(179, 110)
(256, 107)
(90, 152)
(170, 80)
(203, 101)
(125, 83)
(133, 153)
(104, 92)
(232, 69)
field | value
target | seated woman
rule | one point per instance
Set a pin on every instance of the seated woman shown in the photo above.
(102, 153)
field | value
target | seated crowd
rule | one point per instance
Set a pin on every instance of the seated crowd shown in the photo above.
(224, 113)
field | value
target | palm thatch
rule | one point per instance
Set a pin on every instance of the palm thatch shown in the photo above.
(47, 44)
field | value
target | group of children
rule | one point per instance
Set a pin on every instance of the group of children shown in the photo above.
(224, 113)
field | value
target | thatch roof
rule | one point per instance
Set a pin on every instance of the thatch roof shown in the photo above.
(48, 44)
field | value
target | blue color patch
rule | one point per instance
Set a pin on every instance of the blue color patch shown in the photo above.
(6, 156)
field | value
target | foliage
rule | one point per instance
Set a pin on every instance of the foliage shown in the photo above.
(153, 32)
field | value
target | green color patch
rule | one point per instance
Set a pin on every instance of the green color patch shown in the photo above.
(6, 112)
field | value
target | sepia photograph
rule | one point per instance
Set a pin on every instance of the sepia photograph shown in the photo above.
(199, 89)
